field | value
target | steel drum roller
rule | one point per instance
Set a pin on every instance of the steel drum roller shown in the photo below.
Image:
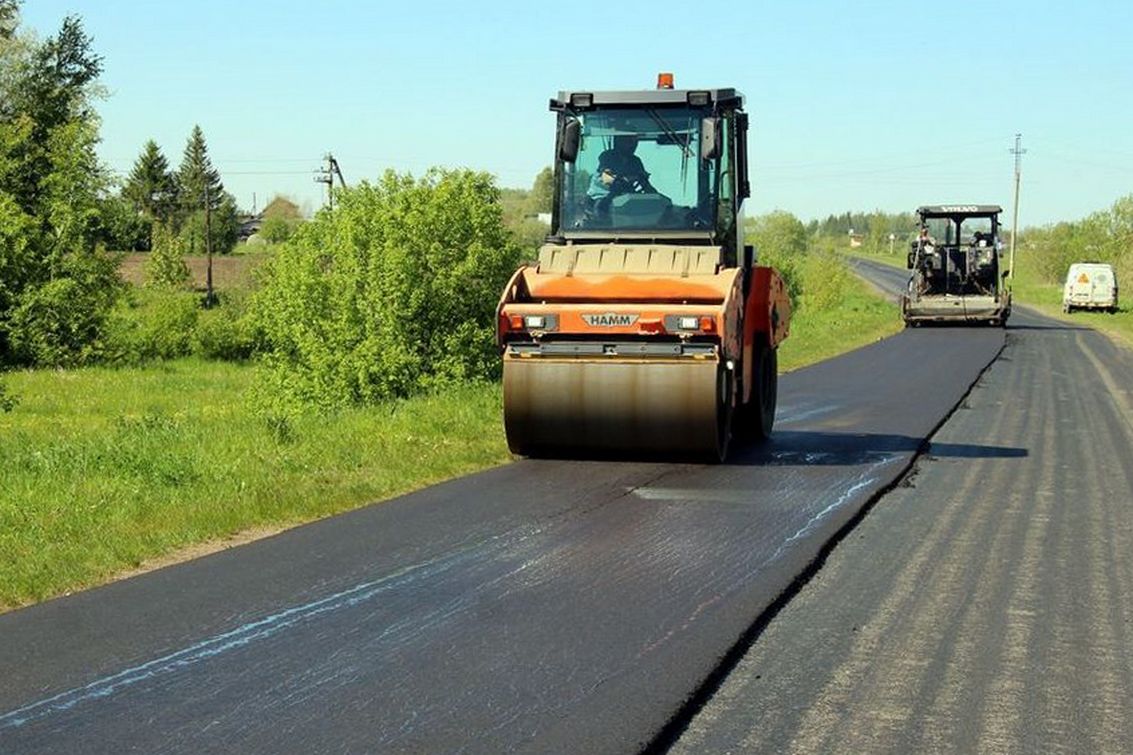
(617, 406)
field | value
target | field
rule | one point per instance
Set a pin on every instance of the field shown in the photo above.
(109, 471)
(228, 271)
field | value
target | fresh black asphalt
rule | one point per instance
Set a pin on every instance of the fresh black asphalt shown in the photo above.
(543, 606)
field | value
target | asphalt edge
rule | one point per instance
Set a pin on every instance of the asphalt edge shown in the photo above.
(671, 732)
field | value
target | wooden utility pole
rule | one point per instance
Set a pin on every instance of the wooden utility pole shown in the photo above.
(208, 249)
(1015, 213)
(326, 176)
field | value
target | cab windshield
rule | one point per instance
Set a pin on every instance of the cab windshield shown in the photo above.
(960, 231)
(638, 169)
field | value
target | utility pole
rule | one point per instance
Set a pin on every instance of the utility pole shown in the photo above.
(208, 249)
(1018, 152)
(326, 176)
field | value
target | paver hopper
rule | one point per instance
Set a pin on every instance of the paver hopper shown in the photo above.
(955, 264)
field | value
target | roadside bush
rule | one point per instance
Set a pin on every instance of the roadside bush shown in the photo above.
(276, 229)
(165, 265)
(152, 324)
(530, 234)
(61, 323)
(121, 227)
(825, 281)
(225, 332)
(391, 293)
(817, 278)
(55, 288)
(8, 400)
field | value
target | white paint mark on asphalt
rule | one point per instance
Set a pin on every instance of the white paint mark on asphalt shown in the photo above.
(231, 640)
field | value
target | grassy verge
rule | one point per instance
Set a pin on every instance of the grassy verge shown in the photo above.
(893, 260)
(860, 317)
(1031, 290)
(107, 469)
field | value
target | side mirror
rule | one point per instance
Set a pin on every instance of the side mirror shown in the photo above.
(709, 138)
(569, 140)
(1004, 274)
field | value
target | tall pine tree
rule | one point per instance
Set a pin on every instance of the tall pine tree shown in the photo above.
(152, 187)
(195, 175)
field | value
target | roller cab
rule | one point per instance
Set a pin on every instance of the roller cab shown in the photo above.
(645, 327)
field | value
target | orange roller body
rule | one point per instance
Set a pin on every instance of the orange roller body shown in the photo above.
(645, 327)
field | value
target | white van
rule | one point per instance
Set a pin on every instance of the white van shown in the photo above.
(1090, 285)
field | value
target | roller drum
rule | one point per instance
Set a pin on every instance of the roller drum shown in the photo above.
(567, 406)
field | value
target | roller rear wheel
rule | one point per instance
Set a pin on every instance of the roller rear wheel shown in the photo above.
(755, 420)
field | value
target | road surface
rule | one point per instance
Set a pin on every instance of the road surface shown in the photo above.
(544, 606)
(986, 604)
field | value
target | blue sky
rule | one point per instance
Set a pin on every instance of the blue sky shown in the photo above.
(855, 106)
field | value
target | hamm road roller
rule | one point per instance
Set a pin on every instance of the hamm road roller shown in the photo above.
(646, 326)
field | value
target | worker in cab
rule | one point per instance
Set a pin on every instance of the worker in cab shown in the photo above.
(619, 171)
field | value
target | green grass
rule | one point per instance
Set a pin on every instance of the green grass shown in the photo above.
(860, 316)
(897, 260)
(106, 468)
(1029, 289)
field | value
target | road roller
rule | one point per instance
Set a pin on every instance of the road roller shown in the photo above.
(645, 328)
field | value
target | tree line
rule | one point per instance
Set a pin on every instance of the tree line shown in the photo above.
(175, 202)
(1102, 236)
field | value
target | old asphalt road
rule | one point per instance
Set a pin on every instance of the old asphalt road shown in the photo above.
(986, 604)
(544, 606)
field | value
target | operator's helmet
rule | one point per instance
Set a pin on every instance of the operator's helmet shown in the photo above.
(625, 142)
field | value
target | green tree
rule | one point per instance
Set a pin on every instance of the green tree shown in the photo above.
(55, 285)
(151, 186)
(195, 177)
(165, 266)
(543, 191)
(123, 228)
(276, 229)
(197, 172)
(391, 293)
(780, 241)
(9, 18)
